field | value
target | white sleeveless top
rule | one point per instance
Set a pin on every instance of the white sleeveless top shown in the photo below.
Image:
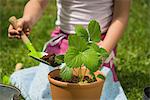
(72, 12)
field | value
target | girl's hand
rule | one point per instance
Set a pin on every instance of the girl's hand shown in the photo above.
(100, 43)
(98, 72)
(22, 25)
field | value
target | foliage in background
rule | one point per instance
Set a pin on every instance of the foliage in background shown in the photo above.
(133, 57)
(14, 51)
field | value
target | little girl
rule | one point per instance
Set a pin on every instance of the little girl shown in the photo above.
(112, 16)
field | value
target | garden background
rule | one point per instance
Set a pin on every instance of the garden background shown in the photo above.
(133, 57)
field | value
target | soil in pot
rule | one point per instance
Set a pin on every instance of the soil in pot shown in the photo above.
(76, 79)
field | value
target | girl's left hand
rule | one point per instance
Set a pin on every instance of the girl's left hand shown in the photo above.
(100, 43)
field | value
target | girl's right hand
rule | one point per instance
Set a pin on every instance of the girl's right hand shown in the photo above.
(22, 25)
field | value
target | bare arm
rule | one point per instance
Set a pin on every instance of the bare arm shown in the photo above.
(32, 12)
(119, 23)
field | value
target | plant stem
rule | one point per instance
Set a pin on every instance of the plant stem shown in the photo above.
(93, 76)
(75, 72)
(83, 74)
(85, 71)
(80, 74)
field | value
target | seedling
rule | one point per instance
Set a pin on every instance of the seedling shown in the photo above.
(84, 51)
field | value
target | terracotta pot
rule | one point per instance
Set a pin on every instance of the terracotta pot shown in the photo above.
(72, 91)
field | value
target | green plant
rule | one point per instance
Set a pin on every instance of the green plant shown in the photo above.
(4, 79)
(83, 51)
(133, 61)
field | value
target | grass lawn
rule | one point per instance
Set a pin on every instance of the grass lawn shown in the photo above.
(133, 57)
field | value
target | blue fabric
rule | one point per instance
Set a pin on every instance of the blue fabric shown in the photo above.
(23, 79)
(111, 90)
(34, 85)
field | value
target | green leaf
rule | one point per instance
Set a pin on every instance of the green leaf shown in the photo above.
(81, 31)
(103, 53)
(59, 59)
(94, 31)
(94, 46)
(66, 73)
(91, 59)
(101, 76)
(73, 57)
(5, 80)
(79, 51)
(93, 75)
(77, 42)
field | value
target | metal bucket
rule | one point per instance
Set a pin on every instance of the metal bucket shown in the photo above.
(146, 95)
(9, 92)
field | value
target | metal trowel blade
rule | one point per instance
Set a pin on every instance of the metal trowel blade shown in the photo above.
(40, 60)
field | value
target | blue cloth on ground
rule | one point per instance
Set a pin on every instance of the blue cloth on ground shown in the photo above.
(34, 85)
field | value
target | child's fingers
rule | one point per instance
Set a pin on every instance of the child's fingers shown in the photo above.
(100, 43)
(14, 36)
(12, 31)
(27, 33)
(20, 23)
(21, 26)
(98, 72)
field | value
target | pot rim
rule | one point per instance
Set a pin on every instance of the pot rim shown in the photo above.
(18, 92)
(146, 90)
(74, 85)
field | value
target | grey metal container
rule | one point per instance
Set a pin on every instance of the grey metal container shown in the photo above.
(146, 95)
(9, 92)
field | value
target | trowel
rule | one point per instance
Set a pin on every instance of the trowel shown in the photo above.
(33, 53)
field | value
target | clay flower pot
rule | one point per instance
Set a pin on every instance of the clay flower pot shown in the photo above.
(72, 91)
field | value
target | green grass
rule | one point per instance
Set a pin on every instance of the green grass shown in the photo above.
(133, 57)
